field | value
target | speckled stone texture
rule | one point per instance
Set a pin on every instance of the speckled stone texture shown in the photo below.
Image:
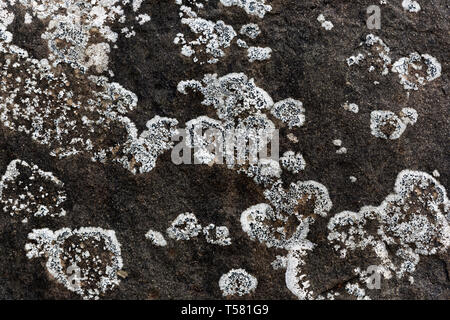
(307, 63)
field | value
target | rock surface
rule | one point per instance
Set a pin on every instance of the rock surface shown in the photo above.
(307, 63)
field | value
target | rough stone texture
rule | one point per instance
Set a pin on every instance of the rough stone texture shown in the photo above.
(307, 63)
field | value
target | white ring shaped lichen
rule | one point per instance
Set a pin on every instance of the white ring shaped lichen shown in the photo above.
(86, 261)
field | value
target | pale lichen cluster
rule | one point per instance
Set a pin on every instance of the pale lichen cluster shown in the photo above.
(26, 191)
(411, 6)
(388, 125)
(237, 282)
(410, 223)
(68, 103)
(186, 227)
(211, 40)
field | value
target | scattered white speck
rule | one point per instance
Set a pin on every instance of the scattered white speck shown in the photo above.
(26, 190)
(411, 70)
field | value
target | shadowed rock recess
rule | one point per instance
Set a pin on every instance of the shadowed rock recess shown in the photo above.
(92, 206)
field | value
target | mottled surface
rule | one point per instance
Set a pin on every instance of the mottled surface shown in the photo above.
(308, 63)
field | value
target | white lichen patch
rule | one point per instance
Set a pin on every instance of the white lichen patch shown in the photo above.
(242, 44)
(296, 279)
(388, 125)
(293, 162)
(338, 143)
(409, 115)
(250, 30)
(231, 95)
(354, 289)
(6, 18)
(98, 55)
(414, 71)
(237, 282)
(252, 7)
(292, 137)
(210, 38)
(280, 262)
(86, 261)
(265, 172)
(376, 55)
(75, 29)
(290, 111)
(140, 153)
(259, 54)
(156, 238)
(327, 25)
(217, 235)
(26, 190)
(411, 6)
(143, 18)
(28, 18)
(184, 227)
(409, 223)
(261, 222)
(355, 59)
(285, 223)
(411, 70)
(88, 116)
